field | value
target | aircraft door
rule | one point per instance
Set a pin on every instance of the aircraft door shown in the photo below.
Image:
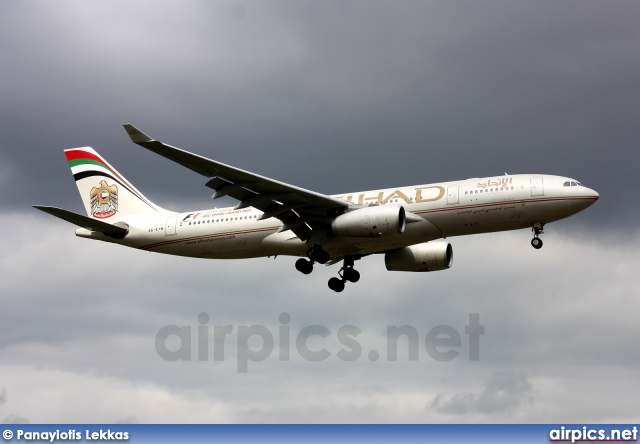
(170, 227)
(453, 194)
(537, 188)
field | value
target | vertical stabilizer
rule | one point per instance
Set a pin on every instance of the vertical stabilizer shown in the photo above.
(106, 194)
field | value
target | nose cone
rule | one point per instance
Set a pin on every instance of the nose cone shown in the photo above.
(593, 194)
(587, 198)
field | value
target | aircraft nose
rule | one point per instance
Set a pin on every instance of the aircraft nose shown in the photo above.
(590, 197)
(593, 193)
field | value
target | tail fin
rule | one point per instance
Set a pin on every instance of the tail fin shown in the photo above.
(106, 194)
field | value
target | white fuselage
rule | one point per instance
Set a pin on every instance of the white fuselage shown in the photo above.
(448, 209)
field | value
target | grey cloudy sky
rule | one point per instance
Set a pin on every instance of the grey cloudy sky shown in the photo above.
(333, 97)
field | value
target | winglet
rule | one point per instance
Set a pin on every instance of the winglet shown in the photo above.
(136, 135)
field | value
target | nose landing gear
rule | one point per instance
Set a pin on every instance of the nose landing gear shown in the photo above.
(536, 242)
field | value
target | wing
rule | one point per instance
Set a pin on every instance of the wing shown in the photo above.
(300, 210)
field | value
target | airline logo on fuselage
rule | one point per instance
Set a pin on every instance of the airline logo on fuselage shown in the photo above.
(499, 182)
(429, 193)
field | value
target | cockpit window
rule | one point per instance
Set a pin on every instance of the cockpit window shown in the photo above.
(572, 183)
(566, 184)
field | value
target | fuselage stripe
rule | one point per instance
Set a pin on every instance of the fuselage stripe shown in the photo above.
(506, 202)
(208, 236)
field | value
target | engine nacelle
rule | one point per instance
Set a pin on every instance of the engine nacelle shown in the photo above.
(371, 221)
(430, 256)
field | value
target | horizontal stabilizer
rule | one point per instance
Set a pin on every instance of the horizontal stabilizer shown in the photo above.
(84, 221)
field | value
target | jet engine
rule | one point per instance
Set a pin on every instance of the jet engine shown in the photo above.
(371, 221)
(429, 256)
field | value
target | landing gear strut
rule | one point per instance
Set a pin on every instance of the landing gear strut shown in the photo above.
(536, 242)
(346, 273)
(316, 254)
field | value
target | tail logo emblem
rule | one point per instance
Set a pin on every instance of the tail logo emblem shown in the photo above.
(104, 200)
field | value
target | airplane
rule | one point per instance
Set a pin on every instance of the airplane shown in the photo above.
(274, 218)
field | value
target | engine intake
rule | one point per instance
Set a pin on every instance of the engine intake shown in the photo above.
(429, 256)
(371, 222)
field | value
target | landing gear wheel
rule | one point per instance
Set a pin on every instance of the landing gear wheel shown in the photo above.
(336, 284)
(351, 275)
(536, 243)
(304, 266)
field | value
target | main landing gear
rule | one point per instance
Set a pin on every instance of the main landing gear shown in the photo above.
(536, 242)
(316, 254)
(346, 273)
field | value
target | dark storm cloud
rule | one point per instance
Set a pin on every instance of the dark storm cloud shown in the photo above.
(369, 95)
